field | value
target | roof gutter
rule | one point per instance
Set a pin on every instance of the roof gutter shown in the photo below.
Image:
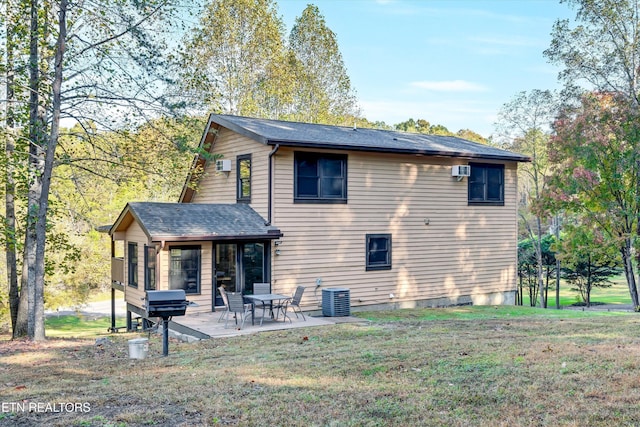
(270, 190)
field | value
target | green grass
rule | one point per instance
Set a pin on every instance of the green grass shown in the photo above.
(478, 313)
(618, 293)
(78, 326)
(459, 366)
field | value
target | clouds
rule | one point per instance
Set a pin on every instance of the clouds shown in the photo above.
(449, 86)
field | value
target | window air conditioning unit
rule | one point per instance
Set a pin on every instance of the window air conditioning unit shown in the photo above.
(223, 165)
(461, 170)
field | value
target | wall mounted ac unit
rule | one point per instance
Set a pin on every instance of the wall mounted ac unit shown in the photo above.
(336, 302)
(461, 170)
(223, 165)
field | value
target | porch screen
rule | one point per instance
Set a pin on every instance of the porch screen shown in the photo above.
(184, 269)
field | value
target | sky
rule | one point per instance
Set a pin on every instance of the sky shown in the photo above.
(450, 62)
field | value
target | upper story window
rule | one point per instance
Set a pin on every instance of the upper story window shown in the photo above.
(320, 178)
(150, 268)
(184, 268)
(244, 178)
(486, 184)
(132, 264)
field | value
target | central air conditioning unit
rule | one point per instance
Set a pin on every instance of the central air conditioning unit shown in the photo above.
(461, 170)
(336, 302)
(223, 165)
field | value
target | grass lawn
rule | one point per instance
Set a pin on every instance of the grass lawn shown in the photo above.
(463, 366)
(617, 293)
(78, 327)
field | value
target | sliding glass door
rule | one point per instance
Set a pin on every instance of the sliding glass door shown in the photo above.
(238, 266)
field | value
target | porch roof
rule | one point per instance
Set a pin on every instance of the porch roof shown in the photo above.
(195, 222)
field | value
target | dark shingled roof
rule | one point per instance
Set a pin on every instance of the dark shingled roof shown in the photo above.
(199, 221)
(295, 134)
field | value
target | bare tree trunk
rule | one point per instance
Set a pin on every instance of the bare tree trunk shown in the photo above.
(21, 327)
(538, 244)
(627, 260)
(10, 189)
(51, 144)
(557, 233)
(36, 168)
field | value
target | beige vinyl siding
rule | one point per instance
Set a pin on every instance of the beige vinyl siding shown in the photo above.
(220, 187)
(134, 234)
(464, 250)
(203, 299)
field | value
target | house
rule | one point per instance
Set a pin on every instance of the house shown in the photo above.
(399, 219)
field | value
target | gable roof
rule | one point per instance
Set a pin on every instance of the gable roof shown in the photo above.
(294, 134)
(195, 221)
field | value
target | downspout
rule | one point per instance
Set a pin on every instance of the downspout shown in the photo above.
(270, 190)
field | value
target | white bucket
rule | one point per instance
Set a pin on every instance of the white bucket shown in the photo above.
(138, 348)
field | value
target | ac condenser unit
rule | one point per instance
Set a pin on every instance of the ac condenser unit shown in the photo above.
(461, 170)
(223, 165)
(336, 302)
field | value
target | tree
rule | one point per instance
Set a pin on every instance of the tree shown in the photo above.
(602, 54)
(589, 260)
(237, 62)
(528, 267)
(524, 123)
(232, 59)
(110, 65)
(470, 135)
(14, 31)
(596, 151)
(322, 87)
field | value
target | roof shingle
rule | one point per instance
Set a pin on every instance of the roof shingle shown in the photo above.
(196, 221)
(309, 135)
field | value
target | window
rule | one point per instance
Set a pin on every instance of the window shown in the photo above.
(244, 178)
(184, 269)
(150, 268)
(486, 184)
(378, 252)
(320, 178)
(132, 264)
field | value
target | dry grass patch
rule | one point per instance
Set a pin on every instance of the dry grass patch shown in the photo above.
(521, 371)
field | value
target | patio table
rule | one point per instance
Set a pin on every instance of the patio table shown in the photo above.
(264, 299)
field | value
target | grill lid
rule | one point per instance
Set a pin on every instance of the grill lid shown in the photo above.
(171, 297)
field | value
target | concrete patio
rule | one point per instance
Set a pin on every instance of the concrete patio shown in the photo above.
(206, 325)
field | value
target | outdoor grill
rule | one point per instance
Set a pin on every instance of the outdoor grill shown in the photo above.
(166, 304)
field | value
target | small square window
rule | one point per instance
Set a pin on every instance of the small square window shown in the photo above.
(378, 252)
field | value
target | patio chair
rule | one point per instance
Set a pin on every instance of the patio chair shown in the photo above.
(223, 295)
(262, 289)
(295, 302)
(237, 306)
